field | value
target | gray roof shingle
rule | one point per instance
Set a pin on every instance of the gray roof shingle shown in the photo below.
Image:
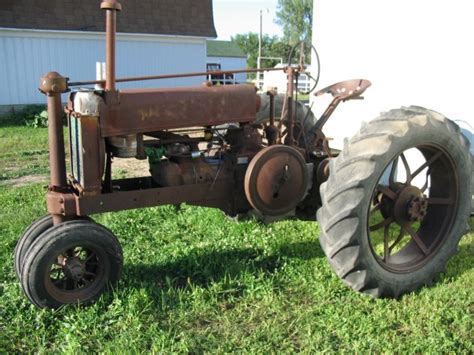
(167, 17)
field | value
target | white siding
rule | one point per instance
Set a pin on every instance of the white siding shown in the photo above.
(414, 52)
(26, 55)
(230, 63)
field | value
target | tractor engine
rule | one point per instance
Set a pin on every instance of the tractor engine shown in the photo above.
(190, 136)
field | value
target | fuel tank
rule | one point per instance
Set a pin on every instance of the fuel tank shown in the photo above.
(142, 111)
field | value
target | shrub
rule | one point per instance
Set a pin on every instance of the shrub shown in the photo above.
(37, 120)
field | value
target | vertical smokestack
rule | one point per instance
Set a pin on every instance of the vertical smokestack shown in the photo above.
(111, 8)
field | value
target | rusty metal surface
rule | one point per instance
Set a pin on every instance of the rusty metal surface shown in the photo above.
(210, 195)
(346, 90)
(343, 91)
(111, 7)
(53, 83)
(61, 204)
(175, 76)
(290, 112)
(276, 180)
(69, 204)
(142, 111)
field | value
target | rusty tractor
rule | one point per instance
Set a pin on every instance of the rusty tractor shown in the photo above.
(387, 227)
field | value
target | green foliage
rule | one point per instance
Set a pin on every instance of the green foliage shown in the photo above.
(37, 120)
(296, 18)
(23, 117)
(272, 46)
(155, 154)
(194, 281)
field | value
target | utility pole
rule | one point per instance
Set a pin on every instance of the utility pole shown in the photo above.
(259, 59)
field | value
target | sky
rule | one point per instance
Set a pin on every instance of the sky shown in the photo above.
(232, 17)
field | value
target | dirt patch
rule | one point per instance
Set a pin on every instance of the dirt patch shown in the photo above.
(122, 168)
(130, 168)
(24, 181)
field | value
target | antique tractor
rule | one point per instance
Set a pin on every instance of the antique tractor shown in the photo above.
(387, 227)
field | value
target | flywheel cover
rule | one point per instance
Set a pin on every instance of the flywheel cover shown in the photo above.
(276, 180)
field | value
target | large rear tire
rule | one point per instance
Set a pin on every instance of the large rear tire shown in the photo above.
(383, 234)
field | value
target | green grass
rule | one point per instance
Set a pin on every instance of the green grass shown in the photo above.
(23, 151)
(194, 281)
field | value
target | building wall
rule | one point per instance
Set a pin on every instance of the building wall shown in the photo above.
(25, 55)
(228, 63)
(414, 52)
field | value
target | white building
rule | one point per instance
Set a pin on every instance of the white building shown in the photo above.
(226, 55)
(414, 52)
(278, 80)
(154, 37)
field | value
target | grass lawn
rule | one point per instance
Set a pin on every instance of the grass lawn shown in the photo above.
(194, 281)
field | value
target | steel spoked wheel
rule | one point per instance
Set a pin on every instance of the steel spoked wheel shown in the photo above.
(28, 237)
(397, 202)
(413, 208)
(76, 272)
(72, 263)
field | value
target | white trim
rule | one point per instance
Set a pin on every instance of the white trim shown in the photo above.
(227, 56)
(90, 35)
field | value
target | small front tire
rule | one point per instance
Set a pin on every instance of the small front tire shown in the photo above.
(72, 263)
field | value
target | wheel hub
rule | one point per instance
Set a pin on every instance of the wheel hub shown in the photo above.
(74, 268)
(417, 209)
(411, 205)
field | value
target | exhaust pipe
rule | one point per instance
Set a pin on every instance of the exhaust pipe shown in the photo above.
(111, 8)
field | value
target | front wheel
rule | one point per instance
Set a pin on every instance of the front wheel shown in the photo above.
(397, 202)
(71, 263)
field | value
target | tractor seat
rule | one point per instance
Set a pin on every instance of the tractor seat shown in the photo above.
(346, 90)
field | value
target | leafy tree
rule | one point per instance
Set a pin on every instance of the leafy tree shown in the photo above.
(272, 46)
(296, 18)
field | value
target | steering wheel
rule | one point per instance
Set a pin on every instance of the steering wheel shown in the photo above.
(302, 48)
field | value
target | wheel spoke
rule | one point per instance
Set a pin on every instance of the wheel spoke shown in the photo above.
(398, 240)
(387, 192)
(416, 238)
(90, 257)
(386, 250)
(440, 201)
(426, 164)
(407, 168)
(425, 186)
(385, 223)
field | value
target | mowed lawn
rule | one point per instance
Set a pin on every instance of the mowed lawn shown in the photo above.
(194, 281)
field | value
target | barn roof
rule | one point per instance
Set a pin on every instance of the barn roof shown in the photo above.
(224, 49)
(167, 17)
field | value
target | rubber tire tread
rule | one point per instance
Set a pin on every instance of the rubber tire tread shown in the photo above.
(81, 230)
(33, 231)
(347, 195)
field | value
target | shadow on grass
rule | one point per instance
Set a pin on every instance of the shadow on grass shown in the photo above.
(204, 268)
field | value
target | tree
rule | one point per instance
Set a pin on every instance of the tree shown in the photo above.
(272, 46)
(296, 18)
